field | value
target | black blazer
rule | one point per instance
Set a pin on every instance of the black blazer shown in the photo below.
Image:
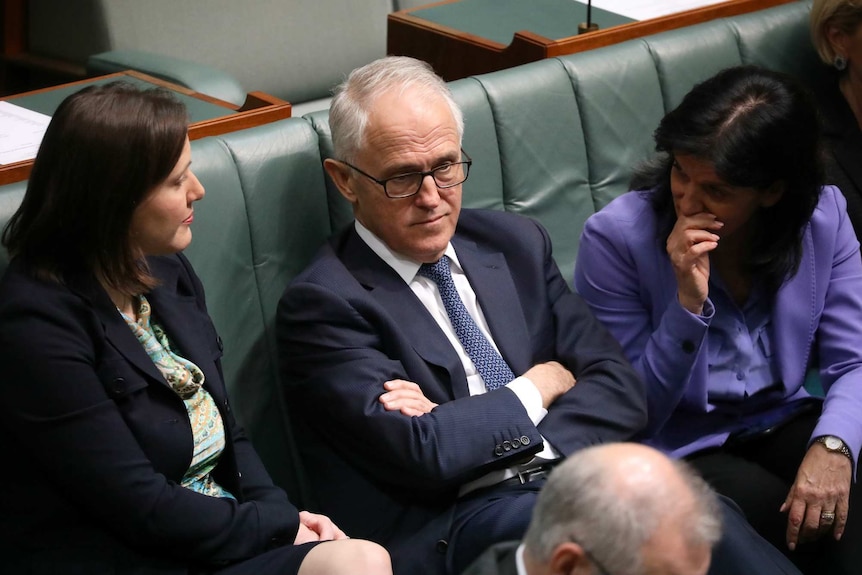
(842, 139)
(95, 442)
(349, 323)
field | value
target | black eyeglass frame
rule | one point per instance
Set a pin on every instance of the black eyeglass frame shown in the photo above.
(465, 164)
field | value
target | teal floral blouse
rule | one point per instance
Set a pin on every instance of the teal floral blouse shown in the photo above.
(186, 379)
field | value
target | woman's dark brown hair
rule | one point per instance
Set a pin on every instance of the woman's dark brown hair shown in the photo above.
(106, 148)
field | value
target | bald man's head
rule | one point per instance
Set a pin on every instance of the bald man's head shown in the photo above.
(627, 507)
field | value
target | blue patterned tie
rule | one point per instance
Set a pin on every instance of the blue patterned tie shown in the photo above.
(491, 366)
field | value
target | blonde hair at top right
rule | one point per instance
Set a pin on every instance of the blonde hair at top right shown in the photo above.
(845, 14)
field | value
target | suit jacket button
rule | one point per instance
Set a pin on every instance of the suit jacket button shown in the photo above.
(525, 440)
(118, 384)
(516, 443)
(688, 346)
(498, 450)
(442, 546)
(507, 446)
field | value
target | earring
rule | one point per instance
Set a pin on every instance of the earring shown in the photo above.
(840, 62)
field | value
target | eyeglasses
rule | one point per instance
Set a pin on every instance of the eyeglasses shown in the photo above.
(405, 185)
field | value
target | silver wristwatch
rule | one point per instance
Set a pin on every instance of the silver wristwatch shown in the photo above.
(835, 444)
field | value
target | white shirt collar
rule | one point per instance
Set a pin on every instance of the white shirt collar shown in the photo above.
(403, 266)
(519, 560)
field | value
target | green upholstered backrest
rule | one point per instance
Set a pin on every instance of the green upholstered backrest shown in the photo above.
(555, 140)
(263, 218)
(10, 199)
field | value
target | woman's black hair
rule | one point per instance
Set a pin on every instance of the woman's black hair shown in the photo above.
(757, 128)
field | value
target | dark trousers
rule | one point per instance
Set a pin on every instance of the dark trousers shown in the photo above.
(757, 474)
(502, 514)
(487, 517)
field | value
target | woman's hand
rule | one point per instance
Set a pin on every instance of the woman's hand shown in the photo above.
(688, 246)
(314, 527)
(822, 486)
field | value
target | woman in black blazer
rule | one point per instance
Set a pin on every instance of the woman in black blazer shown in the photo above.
(836, 31)
(119, 449)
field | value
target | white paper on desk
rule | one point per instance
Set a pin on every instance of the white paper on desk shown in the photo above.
(646, 9)
(21, 132)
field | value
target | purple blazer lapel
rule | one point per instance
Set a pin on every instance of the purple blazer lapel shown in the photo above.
(794, 318)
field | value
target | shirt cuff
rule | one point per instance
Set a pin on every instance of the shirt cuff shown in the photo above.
(705, 315)
(529, 397)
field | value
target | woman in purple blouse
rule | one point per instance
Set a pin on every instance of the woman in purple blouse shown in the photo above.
(729, 275)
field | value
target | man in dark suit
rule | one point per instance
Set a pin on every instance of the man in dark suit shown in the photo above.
(431, 400)
(614, 508)
(628, 508)
(395, 422)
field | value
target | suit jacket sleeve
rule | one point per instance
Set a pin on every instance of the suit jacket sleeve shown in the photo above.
(608, 401)
(85, 429)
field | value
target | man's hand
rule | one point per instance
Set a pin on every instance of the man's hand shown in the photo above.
(688, 246)
(551, 379)
(406, 397)
(314, 527)
(822, 486)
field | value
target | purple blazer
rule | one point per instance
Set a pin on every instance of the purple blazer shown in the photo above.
(625, 275)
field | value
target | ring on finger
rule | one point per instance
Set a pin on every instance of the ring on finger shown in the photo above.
(827, 517)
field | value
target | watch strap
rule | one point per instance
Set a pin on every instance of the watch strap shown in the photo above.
(842, 447)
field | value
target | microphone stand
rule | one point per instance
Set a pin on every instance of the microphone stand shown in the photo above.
(589, 25)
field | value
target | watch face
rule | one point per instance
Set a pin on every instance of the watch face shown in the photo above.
(833, 443)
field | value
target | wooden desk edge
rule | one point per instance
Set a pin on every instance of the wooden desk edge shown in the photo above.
(621, 33)
(455, 54)
(259, 108)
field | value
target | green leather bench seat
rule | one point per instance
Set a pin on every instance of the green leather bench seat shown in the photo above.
(555, 140)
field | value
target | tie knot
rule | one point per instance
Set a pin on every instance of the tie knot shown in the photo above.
(436, 272)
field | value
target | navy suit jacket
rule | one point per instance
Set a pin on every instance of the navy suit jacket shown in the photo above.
(496, 560)
(349, 323)
(95, 442)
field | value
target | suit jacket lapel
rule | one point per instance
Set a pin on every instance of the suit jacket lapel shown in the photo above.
(117, 332)
(847, 155)
(178, 314)
(842, 133)
(395, 296)
(491, 279)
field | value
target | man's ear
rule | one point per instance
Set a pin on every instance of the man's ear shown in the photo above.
(340, 174)
(569, 559)
(772, 195)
